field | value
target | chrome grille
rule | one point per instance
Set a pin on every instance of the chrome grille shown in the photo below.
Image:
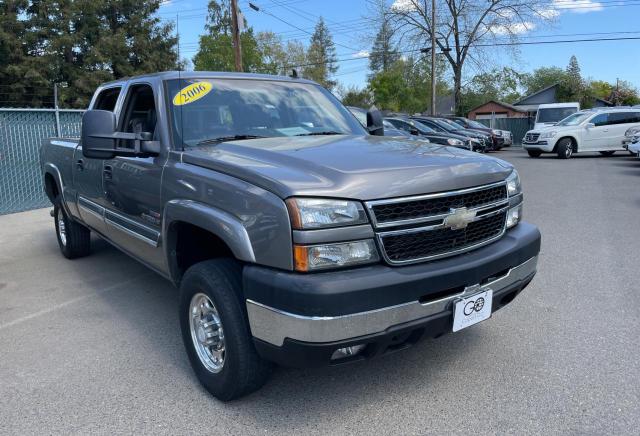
(532, 137)
(420, 228)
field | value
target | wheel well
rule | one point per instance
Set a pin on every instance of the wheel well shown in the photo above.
(50, 187)
(574, 143)
(190, 244)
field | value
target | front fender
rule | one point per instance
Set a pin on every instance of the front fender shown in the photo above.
(220, 223)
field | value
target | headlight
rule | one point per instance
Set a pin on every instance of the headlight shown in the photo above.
(497, 132)
(452, 141)
(317, 213)
(318, 257)
(632, 131)
(513, 184)
(514, 216)
(548, 135)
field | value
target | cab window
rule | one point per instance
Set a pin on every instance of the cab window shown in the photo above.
(139, 113)
(600, 120)
(107, 99)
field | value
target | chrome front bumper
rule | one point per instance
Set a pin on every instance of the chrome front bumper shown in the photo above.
(273, 325)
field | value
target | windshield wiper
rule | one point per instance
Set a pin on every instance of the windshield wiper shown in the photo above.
(328, 132)
(228, 138)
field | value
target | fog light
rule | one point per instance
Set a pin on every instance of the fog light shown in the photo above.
(514, 216)
(342, 353)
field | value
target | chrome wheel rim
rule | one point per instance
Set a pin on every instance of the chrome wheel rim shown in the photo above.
(206, 332)
(569, 150)
(62, 230)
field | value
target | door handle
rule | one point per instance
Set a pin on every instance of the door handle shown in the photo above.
(80, 165)
(108, 172)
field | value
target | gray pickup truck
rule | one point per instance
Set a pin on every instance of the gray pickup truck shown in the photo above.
(294, 234)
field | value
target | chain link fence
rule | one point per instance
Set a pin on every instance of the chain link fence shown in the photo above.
(21, 135)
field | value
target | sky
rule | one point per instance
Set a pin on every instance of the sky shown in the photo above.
(353, 33)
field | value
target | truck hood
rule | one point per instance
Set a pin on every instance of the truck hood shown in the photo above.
(358, 167)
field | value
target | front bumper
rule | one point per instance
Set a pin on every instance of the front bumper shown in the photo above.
(542, 145)
(300, 320)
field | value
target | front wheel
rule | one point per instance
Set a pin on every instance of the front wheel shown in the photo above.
(534, 153)
(607, 153)
(565, 148)
(215, 330)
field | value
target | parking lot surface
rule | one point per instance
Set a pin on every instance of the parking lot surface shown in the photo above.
(93, 345)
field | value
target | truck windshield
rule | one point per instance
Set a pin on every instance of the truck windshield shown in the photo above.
(206, 110)
(575, 119)
(554, 114)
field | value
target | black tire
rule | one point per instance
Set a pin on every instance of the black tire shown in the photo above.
(607, 153)
(564, 148)
(74, 239)
(534, 153)
(242, 370)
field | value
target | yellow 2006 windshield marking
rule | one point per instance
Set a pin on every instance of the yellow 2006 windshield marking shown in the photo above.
(191, 93)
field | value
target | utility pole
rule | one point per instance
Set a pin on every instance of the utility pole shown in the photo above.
(56, 109)
(236, 34)
(433, 57)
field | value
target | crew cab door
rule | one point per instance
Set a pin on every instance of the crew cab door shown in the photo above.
(87, 172)
(596, 137)
(133, 214)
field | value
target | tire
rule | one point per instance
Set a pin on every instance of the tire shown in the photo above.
(229, 366)
(607, 153)
(74, 239)
(564, 148)
(534, 153)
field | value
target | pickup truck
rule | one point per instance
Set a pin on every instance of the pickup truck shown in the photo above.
(295, 235)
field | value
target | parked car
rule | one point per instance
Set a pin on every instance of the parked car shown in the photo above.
(294, 234)
(389, 129)
(634, 147)
(440, 125)
(413, 127)
(499, 138)
(549, 114)
(602, 130)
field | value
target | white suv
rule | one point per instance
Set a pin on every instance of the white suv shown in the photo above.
(601, 130)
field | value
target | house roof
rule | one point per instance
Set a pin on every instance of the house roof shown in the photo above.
(500, 103)
(528, 97)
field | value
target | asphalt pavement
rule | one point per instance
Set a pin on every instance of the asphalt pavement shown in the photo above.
(93, 345)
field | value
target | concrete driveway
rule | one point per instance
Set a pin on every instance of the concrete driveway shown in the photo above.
(93, 345)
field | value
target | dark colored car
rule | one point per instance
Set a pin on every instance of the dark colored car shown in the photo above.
(389, 129)
(447, 126)
(500, 138)
(293, 234)
(414, 127)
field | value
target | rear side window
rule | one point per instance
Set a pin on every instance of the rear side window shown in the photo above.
(107, 99)
(624, 117)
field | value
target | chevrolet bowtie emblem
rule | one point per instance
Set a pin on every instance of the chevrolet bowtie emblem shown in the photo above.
(460, 218)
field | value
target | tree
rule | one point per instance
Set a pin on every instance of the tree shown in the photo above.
(216, 47)
(280, 58)
(572, 87)
(542, 78)
(383, 53)
(321, 56)
(354, 96)
(463, 27)
(624, 93)
(499, 85)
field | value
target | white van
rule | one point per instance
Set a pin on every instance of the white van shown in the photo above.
(601, 130)
(551, 113)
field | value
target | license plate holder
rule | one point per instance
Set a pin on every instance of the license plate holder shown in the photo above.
(471, 310)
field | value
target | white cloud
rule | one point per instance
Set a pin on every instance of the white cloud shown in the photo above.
(361, 54)
(577, 6)
(403, 6)
(513, 28)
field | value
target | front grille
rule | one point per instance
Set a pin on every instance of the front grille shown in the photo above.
(415, 245)
(532, 137)
(388, 213)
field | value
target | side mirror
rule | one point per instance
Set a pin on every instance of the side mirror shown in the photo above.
(374, 122)
(414, 132)
(100, 138)
(589, 126)
(97, 126)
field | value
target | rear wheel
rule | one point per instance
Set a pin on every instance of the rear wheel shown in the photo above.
(534, 153)
(565, 148)
(74, 239)
(607, 153)
(215, 330)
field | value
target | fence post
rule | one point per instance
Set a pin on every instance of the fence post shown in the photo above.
(57, 112)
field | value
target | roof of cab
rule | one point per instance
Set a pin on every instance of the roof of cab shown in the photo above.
(170, 75)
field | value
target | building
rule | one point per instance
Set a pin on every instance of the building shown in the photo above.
(496, 109)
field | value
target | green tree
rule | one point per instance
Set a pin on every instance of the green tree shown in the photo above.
(572, 86)
(600, 89)
(354, 96)
(216, 46)
(542, 78)
(383, 53)
(280, 58)
(321, 57)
